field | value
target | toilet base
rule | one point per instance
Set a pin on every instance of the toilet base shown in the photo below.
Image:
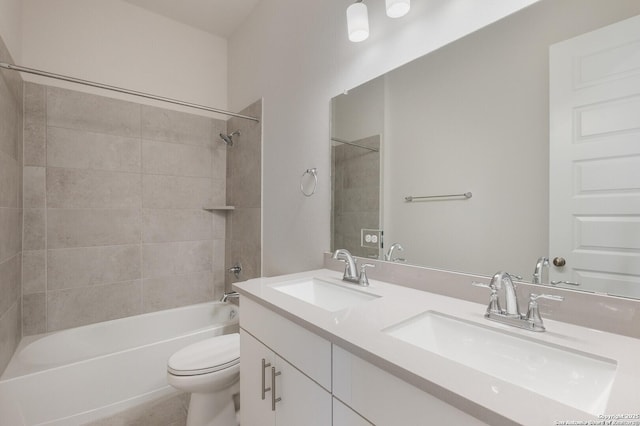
(213, 409)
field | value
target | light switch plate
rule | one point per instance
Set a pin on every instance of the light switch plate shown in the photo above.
(371, 238)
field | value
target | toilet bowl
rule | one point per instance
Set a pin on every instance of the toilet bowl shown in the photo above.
(209, 370)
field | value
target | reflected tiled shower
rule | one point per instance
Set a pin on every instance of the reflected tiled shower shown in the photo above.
(355, 195)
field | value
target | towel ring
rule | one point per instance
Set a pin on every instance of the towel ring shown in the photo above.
(314, 173)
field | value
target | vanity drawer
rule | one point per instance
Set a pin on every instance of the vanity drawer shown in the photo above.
(384, 399)
(308, 352)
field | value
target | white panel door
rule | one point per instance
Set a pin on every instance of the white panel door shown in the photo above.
(594, 220)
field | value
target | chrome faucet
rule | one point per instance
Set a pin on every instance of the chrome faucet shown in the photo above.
(503, 279)
(351, 269)
(389, 256)
(541, 263)
(226, 296)
(511, 314)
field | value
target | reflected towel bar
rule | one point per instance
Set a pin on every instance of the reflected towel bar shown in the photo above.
(466, 195)
(354, 144)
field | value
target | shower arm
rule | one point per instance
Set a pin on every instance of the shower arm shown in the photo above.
(34, 71)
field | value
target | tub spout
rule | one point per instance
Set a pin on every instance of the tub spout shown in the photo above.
(232, 294)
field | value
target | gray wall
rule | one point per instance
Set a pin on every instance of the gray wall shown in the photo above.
(244, 192)
(114, 222)
(10, 208)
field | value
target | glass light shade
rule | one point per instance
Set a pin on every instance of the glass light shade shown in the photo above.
(357, 22)
(397, 8)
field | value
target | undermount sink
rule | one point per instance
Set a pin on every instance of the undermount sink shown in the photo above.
(324, 294)
(574, 378)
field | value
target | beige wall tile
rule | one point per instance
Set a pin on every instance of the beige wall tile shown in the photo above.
(69, 188)
(9, 180)
(34, 314)
(177, 290)
(81, 149)
(88, 305)
(92, 227)
(35, 151)
(11, 114)
(175, 159)
(219, 219)
(11, 229)
(164, 125)
(77, 110)
(175, 192)
(34, 270)
(219, 163)
(34, 229)
(176, 225)
(34, 125)
(34, 187)
(10, 333)
(9, 283)
(86, 266)
(163, 259)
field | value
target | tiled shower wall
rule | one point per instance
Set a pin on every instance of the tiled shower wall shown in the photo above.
(10, 208)
(355, 195)
(244, 192)
(113, 209)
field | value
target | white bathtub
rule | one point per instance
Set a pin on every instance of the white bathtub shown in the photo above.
(82, 374)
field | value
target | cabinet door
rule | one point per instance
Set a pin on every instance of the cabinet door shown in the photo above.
(345, 416)
(302, 401)
(254, 410)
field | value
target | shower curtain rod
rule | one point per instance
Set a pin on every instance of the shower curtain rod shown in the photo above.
(354, 144)
(122, 90)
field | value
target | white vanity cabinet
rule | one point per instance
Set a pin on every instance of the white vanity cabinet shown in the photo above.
(384, 399)
(285, 371)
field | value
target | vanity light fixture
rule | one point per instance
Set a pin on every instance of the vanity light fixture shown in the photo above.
(358, 18)
(358, 21)
(397, 8)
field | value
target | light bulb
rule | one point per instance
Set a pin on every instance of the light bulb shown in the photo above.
(397, 8)
(357, 22)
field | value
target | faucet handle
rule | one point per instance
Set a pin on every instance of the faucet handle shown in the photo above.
(363, 280)
(494, 303)
(533, 313)
(564, 282)
(533, 297)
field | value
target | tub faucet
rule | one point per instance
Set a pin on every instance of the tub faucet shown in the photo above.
(351, 269)
(537, 273)
(226, 296)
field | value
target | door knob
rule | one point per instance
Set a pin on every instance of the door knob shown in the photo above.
(559, 261)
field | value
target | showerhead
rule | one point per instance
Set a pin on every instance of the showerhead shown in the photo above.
(228, 139)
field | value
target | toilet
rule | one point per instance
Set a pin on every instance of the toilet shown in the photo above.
(209, 370)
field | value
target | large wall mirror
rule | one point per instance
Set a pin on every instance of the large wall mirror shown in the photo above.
(474, 117)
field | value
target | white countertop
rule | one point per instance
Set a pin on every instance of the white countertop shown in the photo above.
(359, 330)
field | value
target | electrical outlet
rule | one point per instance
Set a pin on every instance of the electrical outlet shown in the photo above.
(371, 238)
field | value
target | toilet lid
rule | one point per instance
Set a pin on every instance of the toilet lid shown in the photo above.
(207, 356)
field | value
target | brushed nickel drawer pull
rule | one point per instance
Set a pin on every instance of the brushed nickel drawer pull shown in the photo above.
(273, 386)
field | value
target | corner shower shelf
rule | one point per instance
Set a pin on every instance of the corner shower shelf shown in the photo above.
(218, 208)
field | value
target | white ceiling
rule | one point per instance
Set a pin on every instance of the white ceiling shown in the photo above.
(219, 17)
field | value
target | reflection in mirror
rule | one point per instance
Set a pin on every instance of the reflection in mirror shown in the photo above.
(473, 116)
(355, 164)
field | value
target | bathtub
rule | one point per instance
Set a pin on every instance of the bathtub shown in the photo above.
(79, 375)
